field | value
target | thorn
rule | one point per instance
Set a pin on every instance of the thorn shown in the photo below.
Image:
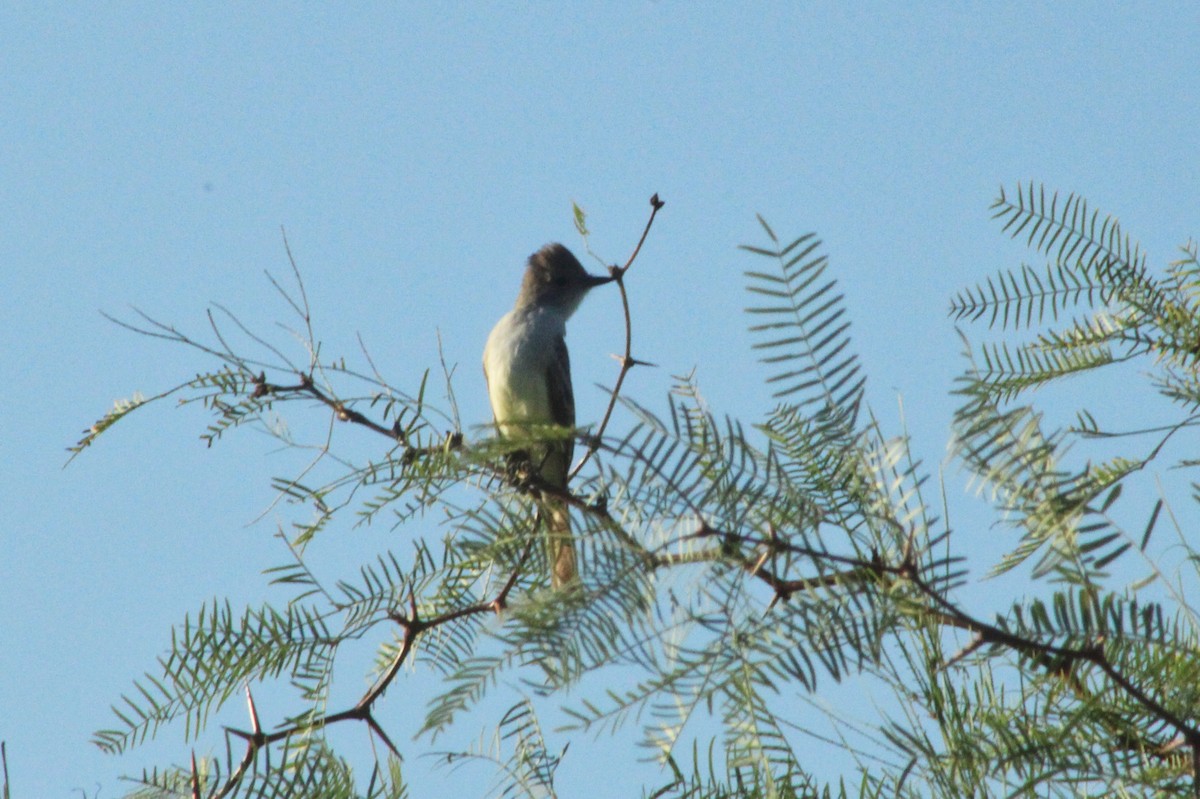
(412, 603)
(254, 725)
(374, 725)
(630, 362)
(245, 736)
(195, 778)
(260, 386)
(758, 564)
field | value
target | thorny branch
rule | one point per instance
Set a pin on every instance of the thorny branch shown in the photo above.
(754, 554)
(454, 440)
(627, 360)
(410, 621)
(856, 570)
(413, 625)
(1058, 660)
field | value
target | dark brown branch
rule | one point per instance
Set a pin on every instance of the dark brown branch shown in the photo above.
(944, 612)
(413, 625)
(1054, 658)
(342, 411)
(345, 413)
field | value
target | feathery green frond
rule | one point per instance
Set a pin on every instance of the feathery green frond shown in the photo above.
(1074, 234)
(1025, 298)
(524, 766)
(213, 657)
(806, 331)
(733, 578)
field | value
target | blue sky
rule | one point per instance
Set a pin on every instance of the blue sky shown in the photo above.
(416, 154)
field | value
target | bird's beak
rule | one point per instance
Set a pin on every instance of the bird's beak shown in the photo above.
(598, 280)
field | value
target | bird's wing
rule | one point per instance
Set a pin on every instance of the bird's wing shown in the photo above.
(562, 398)
(558, 381)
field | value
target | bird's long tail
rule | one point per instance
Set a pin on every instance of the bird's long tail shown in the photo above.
(560, 548)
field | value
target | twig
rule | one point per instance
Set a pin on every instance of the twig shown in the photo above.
(627, 360)
(413, 625)
(1050, 656)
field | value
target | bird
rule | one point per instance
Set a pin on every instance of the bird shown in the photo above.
(528, 373)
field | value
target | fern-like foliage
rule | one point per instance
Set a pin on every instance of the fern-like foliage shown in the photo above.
(1098, 267)
(1093, 262)
(805, 329)
(733, 576)
(518, 752)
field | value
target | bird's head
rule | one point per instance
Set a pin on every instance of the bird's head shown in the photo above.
(554, 278)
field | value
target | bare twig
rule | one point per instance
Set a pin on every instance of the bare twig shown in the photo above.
(627, 360)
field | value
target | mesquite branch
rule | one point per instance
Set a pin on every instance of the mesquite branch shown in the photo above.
(626, 360)
(413, 625)
(772, 558)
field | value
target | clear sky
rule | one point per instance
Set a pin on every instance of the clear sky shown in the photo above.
(416, 154)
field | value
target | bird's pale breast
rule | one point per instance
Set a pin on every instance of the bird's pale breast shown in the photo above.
(518, 353)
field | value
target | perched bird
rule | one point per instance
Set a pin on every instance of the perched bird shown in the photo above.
(528, 375)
